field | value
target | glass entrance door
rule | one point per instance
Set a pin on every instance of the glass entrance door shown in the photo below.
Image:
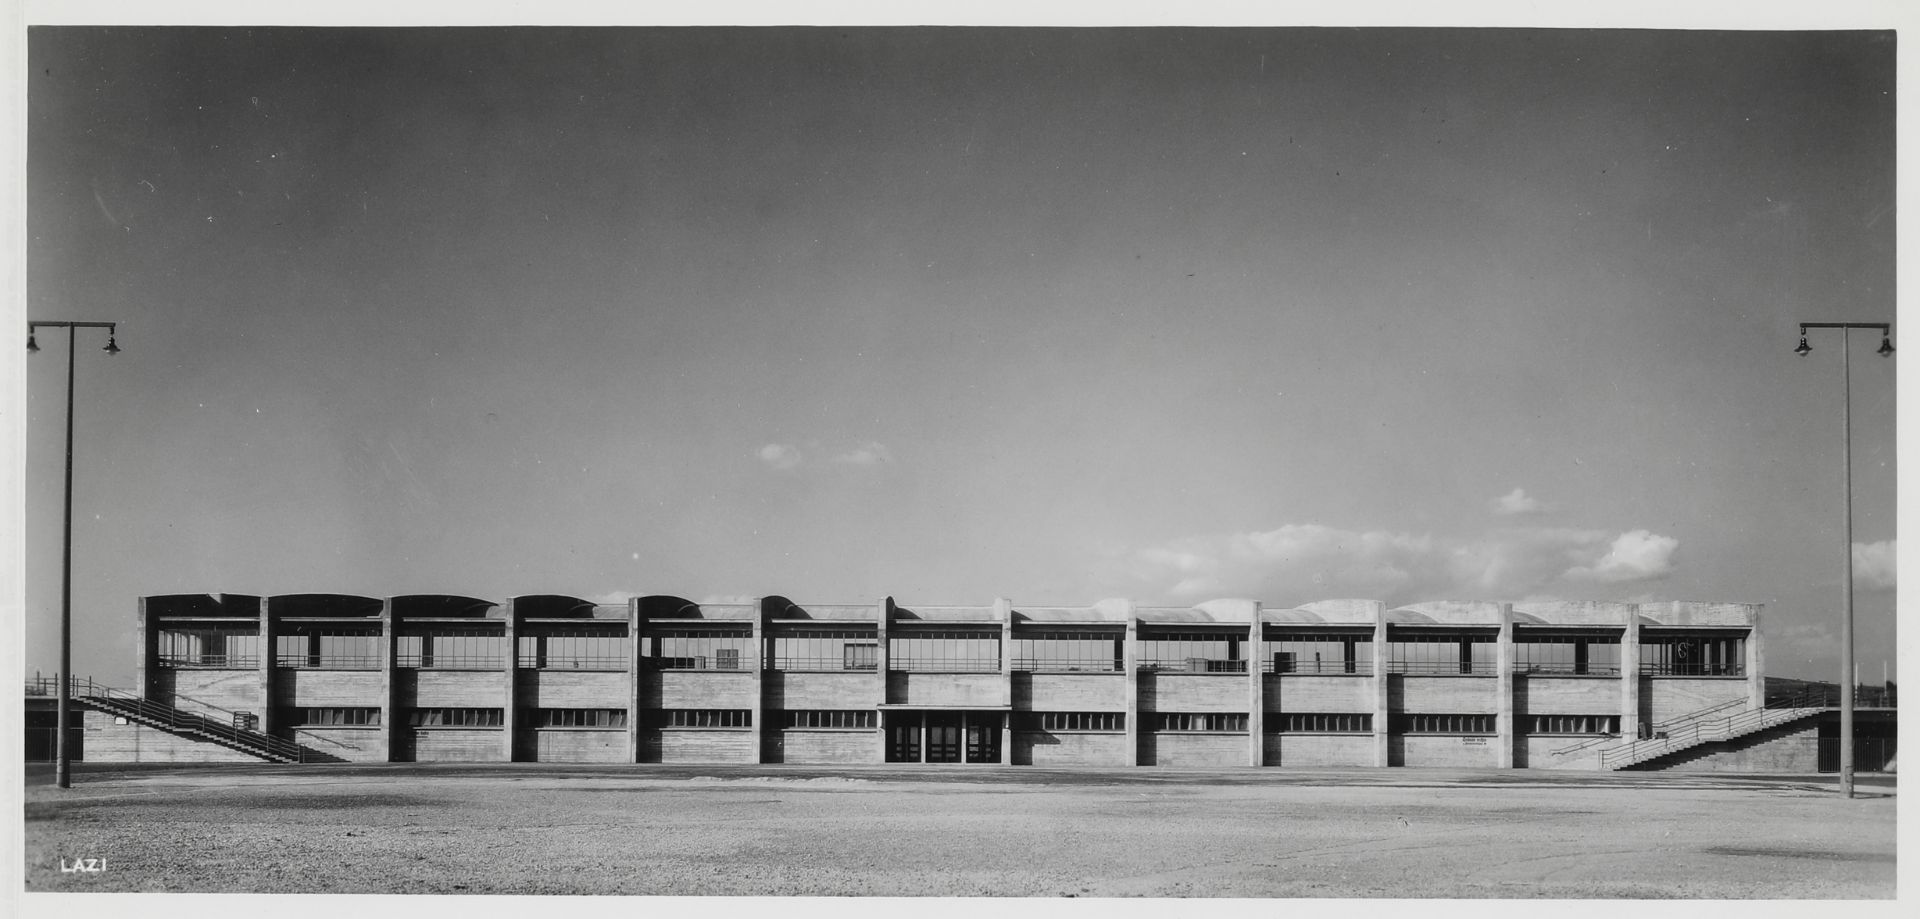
(983, 737)
(903, 737)
(943, 737)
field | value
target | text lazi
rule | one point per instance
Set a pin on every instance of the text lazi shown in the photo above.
(87, 865)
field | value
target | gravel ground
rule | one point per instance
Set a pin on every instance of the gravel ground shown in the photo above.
(873, 831)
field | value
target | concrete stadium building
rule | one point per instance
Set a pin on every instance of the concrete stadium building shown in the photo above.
(1341, 683)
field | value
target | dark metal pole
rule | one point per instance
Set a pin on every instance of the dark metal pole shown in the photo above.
(62, 763)
(1846, 620)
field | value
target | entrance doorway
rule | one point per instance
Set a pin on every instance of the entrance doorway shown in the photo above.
(944, 737)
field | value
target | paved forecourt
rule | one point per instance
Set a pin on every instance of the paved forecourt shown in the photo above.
(957, 831)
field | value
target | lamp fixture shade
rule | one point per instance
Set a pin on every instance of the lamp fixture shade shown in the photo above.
(1804, 347)
(1886, 344)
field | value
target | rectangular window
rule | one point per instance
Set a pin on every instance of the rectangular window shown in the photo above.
(455, 718)
(1069, 651)
(701, 718)
(212, 648)
(1193, 652)
(1443, 724)
(954, 650)
(1317, 654)
(1567, 655)
(829, 719)
(1573, 724)
(1438, 653)
(574, 649)
(1222, 722)
(452, 649)
(319, 648)
(331, 717)
(1317, 723)
(1070, 721)
(1692, 655)
(702, 649)
(823, 649)
(579, 718)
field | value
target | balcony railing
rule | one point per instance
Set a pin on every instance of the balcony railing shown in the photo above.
(1194, 665)
(210, 661)
(1655, 669)
(572, 662)
(326, 662)
(1067, 664)
(1363, 667)
(450, 661)
(944, 664)
(723, 662)
(825, 664)
(1565, 669)
(1443, 668)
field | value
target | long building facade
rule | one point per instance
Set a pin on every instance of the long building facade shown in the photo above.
(1340, 683)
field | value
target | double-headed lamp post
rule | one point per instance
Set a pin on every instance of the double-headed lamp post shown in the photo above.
(62, 761)
(1846, 467)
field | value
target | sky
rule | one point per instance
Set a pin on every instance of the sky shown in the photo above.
(955, 314)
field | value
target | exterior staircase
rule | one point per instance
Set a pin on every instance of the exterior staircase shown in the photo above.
(1720, 722)
(160, 716)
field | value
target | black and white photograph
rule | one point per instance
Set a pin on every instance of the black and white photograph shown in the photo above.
(1223, 460)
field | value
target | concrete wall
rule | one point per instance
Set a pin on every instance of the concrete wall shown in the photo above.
(573, 745)
(1444, 750)
(1443, 695)
(697, 689)
(1664, 698)
(957, 689)
(328, 689)
(203, 690)
(1319, 693)
(1541, 695)
(341, 744)
(701, 745)
(821, 691)
(107, 742)
(821, 746)
(572, 689)
(449, 689)
(1540, 752)
(1317, 750)
(1062, 748)
(453, 745)
(1196, 749)
(1193, 692)
(1070, 692)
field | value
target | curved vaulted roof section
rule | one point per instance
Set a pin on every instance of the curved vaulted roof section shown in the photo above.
(441, 606)
(324, 605)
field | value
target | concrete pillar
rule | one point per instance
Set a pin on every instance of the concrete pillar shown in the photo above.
(633, 680)
(1003, 610)
(1757, 664)
(390, 713)
(882, 614)
(1256, 694)
(1630, 675)
(1130, 663)
(759, 717)
(1382, 755)
(1506, 732)
(510, 683)
(144, 638)
(267, 639)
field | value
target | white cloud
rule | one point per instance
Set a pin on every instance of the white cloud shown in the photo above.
(726, 599)
(780, 456)
(611, 598)
(871, 453)
(1636, 556)
(1311, 561)
(1516, 503)
(1875, 565)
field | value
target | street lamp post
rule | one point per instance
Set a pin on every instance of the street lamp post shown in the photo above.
(1846, 466)
(62, 761)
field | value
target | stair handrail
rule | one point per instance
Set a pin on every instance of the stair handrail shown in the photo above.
(185, 720)
(1681, 736)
